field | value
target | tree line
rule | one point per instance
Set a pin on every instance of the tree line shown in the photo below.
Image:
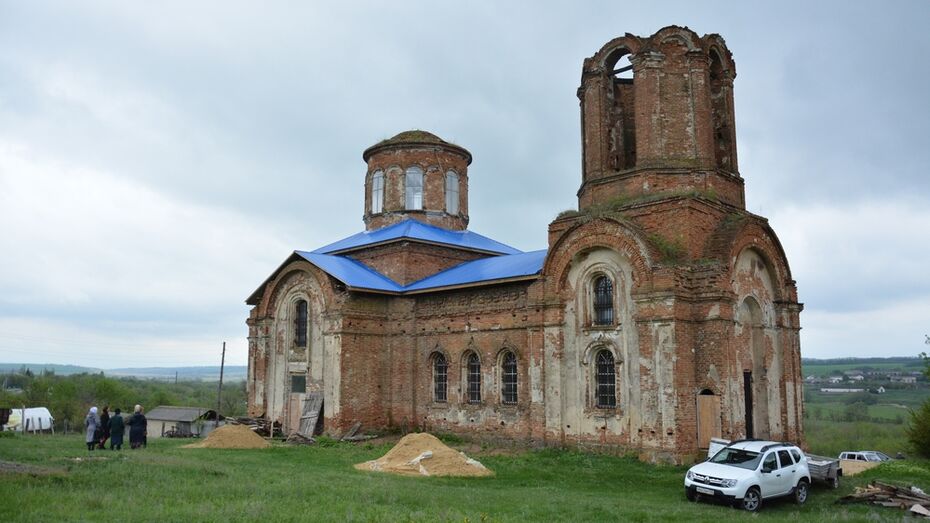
(69, 397)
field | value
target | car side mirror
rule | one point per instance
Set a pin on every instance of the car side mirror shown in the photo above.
(766, 471)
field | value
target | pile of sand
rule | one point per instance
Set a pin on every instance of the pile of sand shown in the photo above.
(231, 437)
(424, 455)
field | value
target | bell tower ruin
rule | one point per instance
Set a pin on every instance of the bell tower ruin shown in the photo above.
(662, 123)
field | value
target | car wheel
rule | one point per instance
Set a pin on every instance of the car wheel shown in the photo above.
(752, 500)
(800, 492)
(691, 494)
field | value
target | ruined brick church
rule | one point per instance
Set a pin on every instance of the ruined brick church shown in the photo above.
(662, 314)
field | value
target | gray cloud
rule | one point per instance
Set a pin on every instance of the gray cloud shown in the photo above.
(156, 163)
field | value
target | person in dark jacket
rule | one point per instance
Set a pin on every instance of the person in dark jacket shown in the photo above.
(137, 426)
(104, 427)
(116, 431)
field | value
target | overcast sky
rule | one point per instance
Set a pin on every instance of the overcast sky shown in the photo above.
(159, 160)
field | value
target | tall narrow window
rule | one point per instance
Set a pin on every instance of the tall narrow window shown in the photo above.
(603, 301)
(606, 380)
(509, 379)
(440, 378)
(474, 378)
(377, 192)
(413, 185)
(300, 324)
(452, 193)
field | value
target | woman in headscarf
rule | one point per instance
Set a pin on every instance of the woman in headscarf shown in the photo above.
(104, 428)
(137, 425)
(91, 425)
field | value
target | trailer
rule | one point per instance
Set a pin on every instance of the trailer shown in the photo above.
(825, 469)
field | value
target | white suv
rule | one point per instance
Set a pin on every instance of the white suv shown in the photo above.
(748, 471)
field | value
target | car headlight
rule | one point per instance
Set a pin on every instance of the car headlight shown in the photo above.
(689, 475)
(728, 483)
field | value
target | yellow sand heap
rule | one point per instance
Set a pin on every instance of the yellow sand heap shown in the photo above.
(231, 437)
(424, 455)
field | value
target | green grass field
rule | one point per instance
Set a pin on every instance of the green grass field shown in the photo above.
(317, 483)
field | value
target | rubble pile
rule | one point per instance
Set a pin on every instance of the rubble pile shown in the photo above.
(911, 498)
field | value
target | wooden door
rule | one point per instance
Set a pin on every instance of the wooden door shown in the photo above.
(708, 408)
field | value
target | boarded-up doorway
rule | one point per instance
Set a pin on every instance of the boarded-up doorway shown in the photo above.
(708, 418)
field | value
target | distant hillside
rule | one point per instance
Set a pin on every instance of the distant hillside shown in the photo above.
(209, 373)
(37, 368)
(827, 366)
(230, 372)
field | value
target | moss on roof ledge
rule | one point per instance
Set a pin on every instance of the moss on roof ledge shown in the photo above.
(414, 137)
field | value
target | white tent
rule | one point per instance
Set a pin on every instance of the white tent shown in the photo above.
(32, 420)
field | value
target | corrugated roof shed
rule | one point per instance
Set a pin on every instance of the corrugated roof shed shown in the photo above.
(167, 413)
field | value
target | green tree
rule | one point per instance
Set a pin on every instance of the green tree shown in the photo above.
(918, 430)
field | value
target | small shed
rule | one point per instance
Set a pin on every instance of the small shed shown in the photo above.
(181, 421)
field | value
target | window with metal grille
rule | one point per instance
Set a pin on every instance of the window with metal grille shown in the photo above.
(298, 383)
(606, 380)
(509, 379)
(377, 192)
(452, 193)
(440, 378)
(603, 301)
(413, 185)
(300, 324)
(474, 378)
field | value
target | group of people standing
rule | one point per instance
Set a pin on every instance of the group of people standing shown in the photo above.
(98, 429)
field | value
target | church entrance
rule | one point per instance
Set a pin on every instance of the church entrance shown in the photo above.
(708, 419)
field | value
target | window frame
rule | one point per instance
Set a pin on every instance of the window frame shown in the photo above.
(413, 201)
(452, 196)
(440, 379)
(600, 381)
(301, 324)
(298, 376)
(603, 307)
(510, 378)
(472, 378)
(376, 206)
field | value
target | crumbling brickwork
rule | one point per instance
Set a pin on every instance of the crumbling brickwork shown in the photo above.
(663, 314)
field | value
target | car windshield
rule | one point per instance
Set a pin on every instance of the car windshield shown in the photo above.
(746, 459)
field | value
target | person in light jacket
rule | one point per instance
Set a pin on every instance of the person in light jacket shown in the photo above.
(91, 426)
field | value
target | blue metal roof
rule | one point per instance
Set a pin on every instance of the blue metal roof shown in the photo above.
(361, 277)
(351, 272)
(485, 269)
(415, 230)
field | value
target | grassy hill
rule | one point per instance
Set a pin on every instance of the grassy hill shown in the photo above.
(318, 483)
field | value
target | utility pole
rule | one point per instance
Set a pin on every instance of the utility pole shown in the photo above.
(175, 377)
(219, 394)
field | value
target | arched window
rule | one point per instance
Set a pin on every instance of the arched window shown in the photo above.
(606, 377)
(603, 301)
(377, 192)
(509, 379)
(413, 185)
(452, 192)
(473, 378)
(440, 378)
(300, 324)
